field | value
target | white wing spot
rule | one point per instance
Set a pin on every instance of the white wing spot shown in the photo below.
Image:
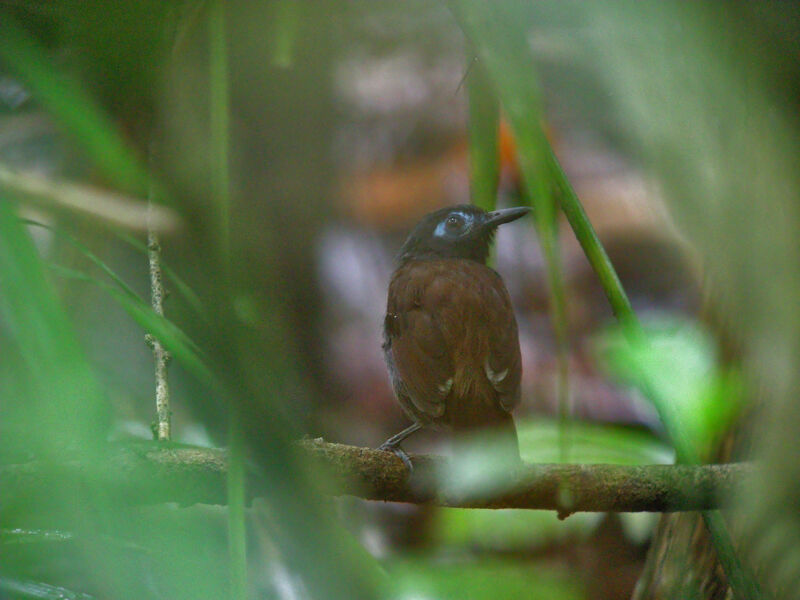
(495, 378)
(446, 387)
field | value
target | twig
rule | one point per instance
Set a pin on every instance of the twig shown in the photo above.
(160, 355)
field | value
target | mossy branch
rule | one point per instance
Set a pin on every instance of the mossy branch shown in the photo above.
(148, 473)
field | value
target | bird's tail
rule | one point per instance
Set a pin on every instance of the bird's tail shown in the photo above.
(485, 462)
(505, 442)
(497, 441)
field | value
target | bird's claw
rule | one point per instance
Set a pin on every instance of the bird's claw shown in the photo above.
(400, 453)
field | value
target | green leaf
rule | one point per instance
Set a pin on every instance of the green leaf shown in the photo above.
(484, 149)
(499, 34)
(594, 443)
(481, 579)
(64, 404)
(677, 367)
(74, 109)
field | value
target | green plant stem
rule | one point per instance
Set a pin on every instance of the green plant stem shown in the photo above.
(284, 32)
(483, 126)
(744, 585)
(499, 37)
(521, 100)
(559, 318)
(183, 288)
(219, 110)
(592, 248)
(161, 357)
(547, 228)
(237, 537)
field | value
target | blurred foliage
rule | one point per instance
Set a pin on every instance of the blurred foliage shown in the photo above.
(539, 443)
(424, 578)
(592, 443)
(500, 45)
(58, 378)
(70, 104)
(705, 96)
(678, 366)
(484, 134)
(55, 401)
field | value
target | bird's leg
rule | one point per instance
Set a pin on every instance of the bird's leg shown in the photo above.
(393, 444)
(399, 437)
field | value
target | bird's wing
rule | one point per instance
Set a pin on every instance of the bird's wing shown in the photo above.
(417, 347)
(503, 363)
(422, 361)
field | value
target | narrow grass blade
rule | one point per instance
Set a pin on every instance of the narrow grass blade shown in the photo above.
(67, 406)
(174, 339)
(284, 32)
(183, 288)
(221, 197)
(592, 248)
(83, 249)
(219, 110)
(71, 106)
(484, 124)
(499, 36)
(503, 53)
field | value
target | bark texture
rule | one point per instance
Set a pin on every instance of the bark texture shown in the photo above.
(146, 473)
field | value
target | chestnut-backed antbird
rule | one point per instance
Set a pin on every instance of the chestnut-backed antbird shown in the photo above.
(450, 337)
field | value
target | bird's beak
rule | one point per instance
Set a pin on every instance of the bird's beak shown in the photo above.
(505, 215)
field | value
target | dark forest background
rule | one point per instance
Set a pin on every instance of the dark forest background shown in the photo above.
(285, 150)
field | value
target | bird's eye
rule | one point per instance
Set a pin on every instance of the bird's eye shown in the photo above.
(454, 223)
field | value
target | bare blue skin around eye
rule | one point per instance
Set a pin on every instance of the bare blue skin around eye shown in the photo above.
(441, 228)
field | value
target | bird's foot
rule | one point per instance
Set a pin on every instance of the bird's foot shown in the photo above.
(400, 453)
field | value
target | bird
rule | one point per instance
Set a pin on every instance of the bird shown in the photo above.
(450, 337)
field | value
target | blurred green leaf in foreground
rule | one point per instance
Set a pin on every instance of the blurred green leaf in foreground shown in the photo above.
(677, 366)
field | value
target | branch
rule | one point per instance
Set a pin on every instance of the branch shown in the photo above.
(566, 488)
(147, 473)
(128, 474)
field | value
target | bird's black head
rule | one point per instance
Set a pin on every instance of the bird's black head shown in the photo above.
(463, 231)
